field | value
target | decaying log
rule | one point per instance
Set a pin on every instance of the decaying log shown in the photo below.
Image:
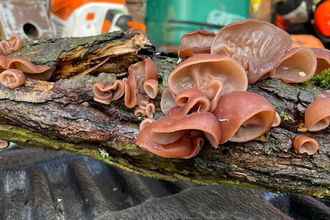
(61, 115)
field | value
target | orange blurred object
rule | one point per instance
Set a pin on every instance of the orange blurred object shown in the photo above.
(306, 41)
(137, 25)
(64, 8)
(322, 18)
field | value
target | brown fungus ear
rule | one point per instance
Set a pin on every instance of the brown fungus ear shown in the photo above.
(4, 144)
(167, 101)
(324, 94)
(243, 116)
(16, 43)
(189, 101)
(296, 66)
(5, 48)
(167, 130)
(136, 30)
(317, 115)
(104, 93)
(305, 145)
(150, 110)
(186, 147)
(32, 71)
(181, 138)
(3, 62)
(195, 42)
(145, 123)
(12, 78)
(257, 45)
(323, 59)
(277, 120)
(151, 88)
(211, 74)
(135, 87)
(145, 110)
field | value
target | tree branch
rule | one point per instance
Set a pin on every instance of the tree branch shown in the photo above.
(61, 115)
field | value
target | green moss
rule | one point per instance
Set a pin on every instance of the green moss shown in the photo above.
(268, 149)
(323, 79)
(306, 85)
(285, 117)
(278, 180)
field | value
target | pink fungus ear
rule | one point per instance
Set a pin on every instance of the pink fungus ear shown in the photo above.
(106, 93)
(5, 48)
(195, 42)
(151, 88)
(136, 30)
(324, 94)
(186, 147)
(213, 75)
(135, 87)
(167, 101)
(257, 45)
(243, 116)
(296, 66)
(4, 144)
(32, 71)
(16, 43)
(166, 130)
(277, 120)
(305, 145)
(323, 59)
(189, 101)
(146, 122)
(181, 138)
(317, 115)
(12, 78)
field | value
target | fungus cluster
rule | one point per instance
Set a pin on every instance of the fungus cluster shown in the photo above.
(139, 87)
(15, 69)
(209, 87)
(14, 44)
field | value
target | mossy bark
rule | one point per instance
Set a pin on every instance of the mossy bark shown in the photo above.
(61, 115)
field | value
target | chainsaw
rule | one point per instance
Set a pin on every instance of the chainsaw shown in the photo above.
(78, 18)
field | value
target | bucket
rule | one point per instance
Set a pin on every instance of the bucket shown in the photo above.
(160, 12)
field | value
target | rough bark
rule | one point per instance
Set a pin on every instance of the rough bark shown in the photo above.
(61, 115)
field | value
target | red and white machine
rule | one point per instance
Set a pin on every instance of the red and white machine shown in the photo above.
(77, 18)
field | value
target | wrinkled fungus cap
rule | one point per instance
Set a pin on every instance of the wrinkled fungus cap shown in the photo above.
(143, 80)
(188, 101)
(16, 43)
(166, 130)
(257, 45)
(12, 78)
(186, 147)
(213, 75)
(104, 93)
(181, 138)
(195, 42)
(243, 116)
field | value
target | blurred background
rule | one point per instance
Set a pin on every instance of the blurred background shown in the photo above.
(165, 21)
